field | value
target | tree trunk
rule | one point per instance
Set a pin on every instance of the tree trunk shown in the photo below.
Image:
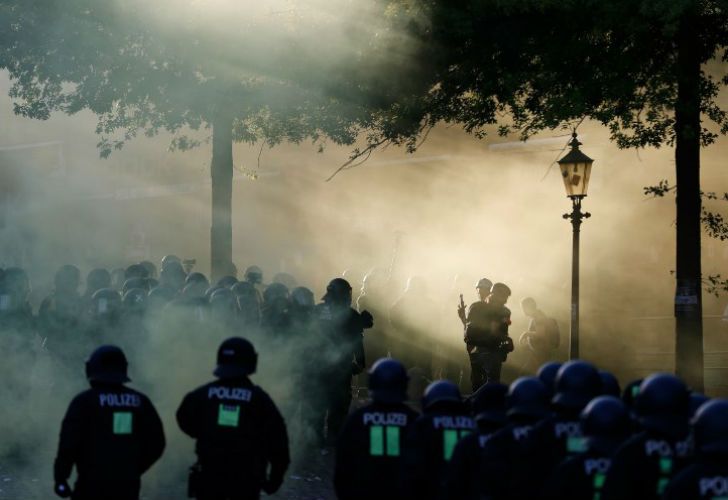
(221, 171)
(688, 293)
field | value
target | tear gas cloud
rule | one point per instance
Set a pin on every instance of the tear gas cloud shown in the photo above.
(456, 211)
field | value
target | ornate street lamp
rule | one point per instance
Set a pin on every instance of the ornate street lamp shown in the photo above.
(575, 170)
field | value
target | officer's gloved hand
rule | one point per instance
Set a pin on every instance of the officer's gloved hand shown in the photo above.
(62, 489)
(272, 484)
(367, 319)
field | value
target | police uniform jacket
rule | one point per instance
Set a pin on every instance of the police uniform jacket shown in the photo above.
(645, 464)
(239, 433)
(342, 330)
(429, 447)
(509, 464)
(112, 434)
(463, 476)
(705, 479)
(369, 451)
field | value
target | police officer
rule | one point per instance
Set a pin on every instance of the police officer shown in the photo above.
(431, 441)
(486, 336)
(708, 476)
(239, 432)
(254, 276)
(111, 433)
(646, 463)
(605, 425)
(275, 313)
(96, 279)
(106, 308)
(59, 313)
(341, 331)
(488, 407)
(369, 449)
(559, 436)
(482, 287)
(506, 467)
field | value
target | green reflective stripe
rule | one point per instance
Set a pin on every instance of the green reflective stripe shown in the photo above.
(122, 422)
(662, 485)
(665, 466)
(392, 441)
(635, 391)
(376, 440)
(599, 480)
(597, 495)
(576, 445)
(465, 432)
(228, 415)
(450, 439)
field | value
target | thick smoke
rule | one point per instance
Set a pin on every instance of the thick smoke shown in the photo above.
(458, 210)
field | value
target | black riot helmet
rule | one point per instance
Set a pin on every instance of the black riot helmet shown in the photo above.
(610, 384)
(223, 301)
(135, 283)
(663, 404)
(254, 275)
(577, 383)
(302, 297)
(388, 381)
(236, 358)
(106, 302)
(527, 397)
(488, 404)
(338, 292)
(173, 275)
(135, 271)
(227, 281)
(547, 375)
(275, 291)
(168, 259)
(97, 279)
(710, 427)
(440, 391)
(135, 300)
(605, 416)
(197, 278)
(67, 279)
(150, 268)
(108, 365)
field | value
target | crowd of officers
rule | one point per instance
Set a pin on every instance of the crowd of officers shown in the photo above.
(569, 432)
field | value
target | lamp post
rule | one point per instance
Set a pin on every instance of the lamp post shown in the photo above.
(575, 170)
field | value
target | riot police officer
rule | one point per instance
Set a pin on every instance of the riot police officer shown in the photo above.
(645, 464)
(488, 407)
(60, 313)
(370, 447)
(238, 429)
(112, 434)
(486, 335)
(708, 476)
(506, 456)
(431, 441)
(606, 425)
(341, 333)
